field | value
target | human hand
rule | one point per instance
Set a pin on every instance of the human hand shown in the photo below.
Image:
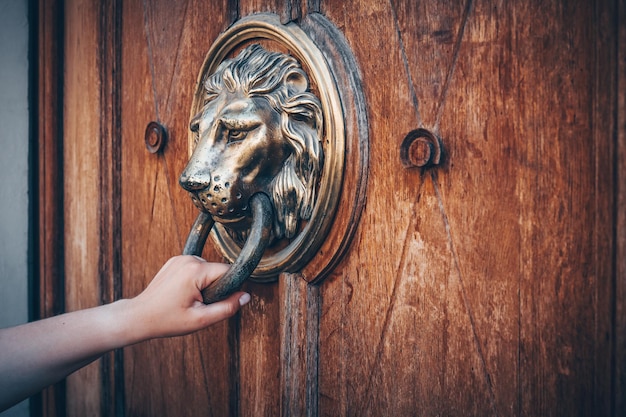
(171, 305)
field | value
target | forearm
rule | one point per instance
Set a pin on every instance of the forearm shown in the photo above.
(35, 355)
(41, 353)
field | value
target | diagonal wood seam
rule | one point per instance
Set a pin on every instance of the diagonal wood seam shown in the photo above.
(455, 58)
(150, 59)
(394, 293)
(405, 61)
(155, 95)
(392, 302)
(176, 60)
(147, 271)
(466, 302)
(457, 266)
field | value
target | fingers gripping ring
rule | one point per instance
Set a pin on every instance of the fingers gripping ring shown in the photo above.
(251, 253)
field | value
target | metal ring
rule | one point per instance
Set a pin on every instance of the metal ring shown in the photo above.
(250, 255)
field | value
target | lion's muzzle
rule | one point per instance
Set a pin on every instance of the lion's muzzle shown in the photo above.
(218, 196)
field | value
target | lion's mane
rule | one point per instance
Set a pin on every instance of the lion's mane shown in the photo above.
(279, 78)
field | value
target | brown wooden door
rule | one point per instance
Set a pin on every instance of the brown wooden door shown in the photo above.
(490, 285)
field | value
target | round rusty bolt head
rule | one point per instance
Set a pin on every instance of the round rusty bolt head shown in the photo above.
(419, 149)
(420, 152)
(155, 137)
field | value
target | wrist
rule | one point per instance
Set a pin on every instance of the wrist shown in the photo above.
(129, 323)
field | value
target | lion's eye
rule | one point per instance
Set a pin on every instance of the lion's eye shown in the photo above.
(236, 135)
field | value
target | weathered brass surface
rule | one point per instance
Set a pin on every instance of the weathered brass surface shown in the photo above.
(258, 131)
(266, 121)
(251, 253)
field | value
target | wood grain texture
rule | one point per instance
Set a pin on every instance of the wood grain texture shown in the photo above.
(163, 46)
(557, 211)
(259, 353)
(50, 183)
(109, 199)
(81, 175)
(608, 301)
(478, 298)
(492, 285)
(299, 330)
(616, 297)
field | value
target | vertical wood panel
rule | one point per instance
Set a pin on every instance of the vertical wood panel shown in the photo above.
(439, 40)
(259, 358)
(494, 292)
(50, 181)
(81, 157)
(164, 44)
(109, 199)
(557, 214)
(618, 376)
(299, 328)
(606, 131)
(363, 301)
(479, 201)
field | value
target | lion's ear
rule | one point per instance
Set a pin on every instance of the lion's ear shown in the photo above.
(296, 81)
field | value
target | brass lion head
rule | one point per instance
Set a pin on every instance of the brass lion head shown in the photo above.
(258, 131)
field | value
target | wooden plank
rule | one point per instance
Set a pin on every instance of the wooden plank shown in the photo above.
(506, 228)
(557, 193)
(457, 347)
(259, 353)
(279, 7)
(81, 167)
(606, 131)
(299, 346)
(480, 201)
(50, 179)
(292, 11)
(164, 45)
(619, 364)
(109, 200)
(364, 315)
(378, 341)
(297, 10)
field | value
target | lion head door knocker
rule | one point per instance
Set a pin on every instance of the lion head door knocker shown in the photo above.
(267, 143)
(259, 131)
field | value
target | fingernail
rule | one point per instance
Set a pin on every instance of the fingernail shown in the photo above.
(244, 299)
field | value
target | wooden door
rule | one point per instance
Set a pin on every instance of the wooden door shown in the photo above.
(492, 284)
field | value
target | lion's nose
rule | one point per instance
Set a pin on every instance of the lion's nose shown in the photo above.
(194, 181)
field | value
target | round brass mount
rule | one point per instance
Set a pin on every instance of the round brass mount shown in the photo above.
(310, 251)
